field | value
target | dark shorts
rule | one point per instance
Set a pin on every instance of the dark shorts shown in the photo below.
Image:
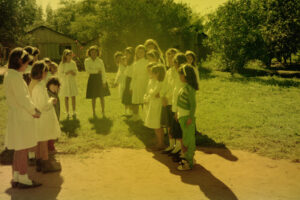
(166, 116)
(127, 95)
(176, 131)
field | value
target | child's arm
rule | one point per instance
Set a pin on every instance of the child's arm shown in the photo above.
(102, 70)
(74, 70)
(22, 96)
(192, 100)
(42, 100)
(117, 79)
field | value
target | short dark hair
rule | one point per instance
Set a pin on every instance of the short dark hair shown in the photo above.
(191, 53)
(190, 75)
(160, 70)
(150, 65)
(93, 48)
(16, 55)
(130, 50)
(153, 53)
(37, 70)
(52, 81)
(180, 58)
(117, 54)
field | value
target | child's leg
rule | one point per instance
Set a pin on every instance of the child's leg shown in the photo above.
(135, 109)
(159, 136)
(67, 104)
(51, 146)
(102, 101)
(21, 161)
(42, 150)
(94, 106)
(188, 139)
(74, 104)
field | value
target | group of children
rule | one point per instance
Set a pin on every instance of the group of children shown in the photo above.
(165, 90)
(164, 87)
(32, 124)
(31, 88)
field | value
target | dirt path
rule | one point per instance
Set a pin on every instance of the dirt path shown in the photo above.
(126, 174)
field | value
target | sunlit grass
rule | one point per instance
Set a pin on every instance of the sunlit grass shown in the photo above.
(257, 114)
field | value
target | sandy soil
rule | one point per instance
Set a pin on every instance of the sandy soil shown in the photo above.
(141, 174)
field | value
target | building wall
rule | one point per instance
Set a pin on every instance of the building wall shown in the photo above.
(51, 44)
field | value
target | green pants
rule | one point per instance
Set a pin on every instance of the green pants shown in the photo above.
(188, 139)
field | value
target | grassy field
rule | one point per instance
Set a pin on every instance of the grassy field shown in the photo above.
(257, 114)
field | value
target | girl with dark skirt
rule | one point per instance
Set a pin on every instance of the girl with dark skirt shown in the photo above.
(127, 94)
(97, 85)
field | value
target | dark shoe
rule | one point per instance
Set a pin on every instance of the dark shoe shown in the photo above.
(177, 158)
(38, 165)
(50, 166)
(14, 184)
(167, 151)
(25, 186)
(32, 162)
(174, 154)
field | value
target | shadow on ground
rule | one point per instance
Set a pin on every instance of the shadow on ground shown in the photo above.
(211, 186)
(101, 125)
(70, 126)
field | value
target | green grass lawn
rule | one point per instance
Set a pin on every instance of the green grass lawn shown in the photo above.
(257, 114)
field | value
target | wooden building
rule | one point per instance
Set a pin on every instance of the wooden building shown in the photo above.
(52, 43)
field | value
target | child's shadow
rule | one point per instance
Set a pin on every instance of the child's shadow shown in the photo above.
(101, 125)
(211, 186)
(48, 191)
(70, 126)
(212, 147)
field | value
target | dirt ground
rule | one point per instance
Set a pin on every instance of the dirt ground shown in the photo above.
(129, 174)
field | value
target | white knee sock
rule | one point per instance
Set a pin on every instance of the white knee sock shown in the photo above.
(24, 179)
(16, 176)
(31, 155)
(172, 142)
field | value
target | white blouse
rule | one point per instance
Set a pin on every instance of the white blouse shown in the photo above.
(95, 66)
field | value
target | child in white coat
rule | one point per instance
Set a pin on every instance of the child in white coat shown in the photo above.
(20, 136)
(67, 72)
(47, 127)
(139, 80)
(153, 114)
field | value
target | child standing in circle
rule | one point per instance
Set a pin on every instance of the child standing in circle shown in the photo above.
(176, 131)
(67, 71)
(152, 119)
(127, 94)
(186, 104)
(20, 135)
(53, 86)
(139, 80)
(166, 97)
(192, 60)
(120, 61)
(47, 127)
(151, 44)
(97, 86)
(34, 52)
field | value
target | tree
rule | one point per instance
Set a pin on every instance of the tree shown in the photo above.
(127, 22)
(234, 32)
(15, 19)
(281, 29)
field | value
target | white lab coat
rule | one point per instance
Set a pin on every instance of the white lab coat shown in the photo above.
(47, 126)
(139, 81)
(20, 133)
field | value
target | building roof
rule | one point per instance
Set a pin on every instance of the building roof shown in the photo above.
(45, 27)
